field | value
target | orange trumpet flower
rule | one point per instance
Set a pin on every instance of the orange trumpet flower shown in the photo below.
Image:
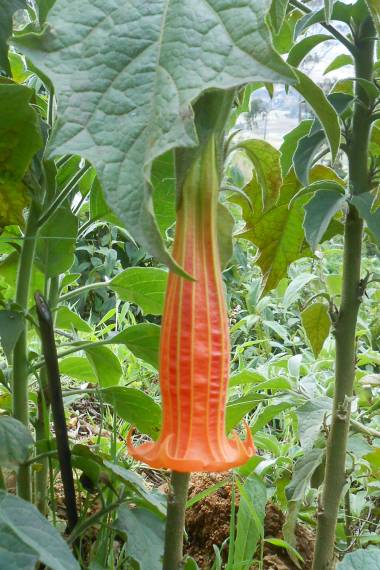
(194, 351)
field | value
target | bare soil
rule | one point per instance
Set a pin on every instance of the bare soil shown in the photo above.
(208, 523)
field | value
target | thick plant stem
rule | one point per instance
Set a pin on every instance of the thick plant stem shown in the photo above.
(20, 354)
(345, 326)
(175, 522)
(344, 379)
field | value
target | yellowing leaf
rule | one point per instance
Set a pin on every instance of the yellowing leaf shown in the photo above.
(279, 235)
(316, 322)
(20, 138)
(13, 199)
(267, 170)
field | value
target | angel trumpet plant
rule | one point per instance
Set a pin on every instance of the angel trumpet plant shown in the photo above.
(194, 351)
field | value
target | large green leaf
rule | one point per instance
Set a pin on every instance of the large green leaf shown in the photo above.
(56, 242)
(368, 559)
(250, 520)
(15, 555)
(145, 536)
(319, 212)
(322, 108)
(135, 407)
(15, 442)
(125, 75)
(20, 139)
(8, 8)
(32, 535)
(99, 209)
(105, 364)
(144, 286)
(316, 322)
(143, 340)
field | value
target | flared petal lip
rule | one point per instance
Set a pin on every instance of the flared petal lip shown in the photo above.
(156, 454)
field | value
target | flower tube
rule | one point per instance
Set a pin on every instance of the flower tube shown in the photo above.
(195, 350)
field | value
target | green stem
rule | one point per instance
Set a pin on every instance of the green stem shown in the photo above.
(63, 194)
(345, 328)
(175, 521)
(20, 354)
(79, 346)
(84, 289)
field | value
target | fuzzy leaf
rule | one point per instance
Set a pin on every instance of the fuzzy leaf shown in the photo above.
(32, 536)
(145, 532)
(125, 75)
